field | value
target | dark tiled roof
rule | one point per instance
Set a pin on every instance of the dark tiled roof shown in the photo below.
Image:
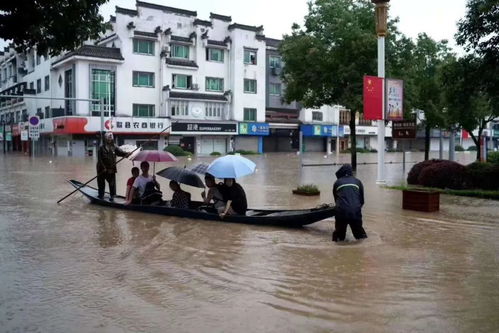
(193, 95)
(95, 52)
(181, 62)
(220, 17)
(202, 22)
(144, 33)
(181, 39)
(260, 37)
(245, 27)
(106, 38)
(217, 42)
(126, 11)
(273, 42)
(166, 8)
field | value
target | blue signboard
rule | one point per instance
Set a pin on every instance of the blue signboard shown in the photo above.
(253, 129)
(321, 130)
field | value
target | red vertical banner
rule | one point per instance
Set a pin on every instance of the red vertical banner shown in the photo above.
(373, 98)
(465, 134)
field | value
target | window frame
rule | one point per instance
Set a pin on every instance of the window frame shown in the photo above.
(247, 59)
(209, 54)
(47, 82)
(272, 63)
(246, 113)
(136, 48)
(316, 113)
(188, 81)
(150, 110)
(38, 86)
(173, 53)
(247, 91)
(272, 84)
(136, 79)
(221, 83)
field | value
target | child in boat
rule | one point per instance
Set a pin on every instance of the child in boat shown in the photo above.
(180, 198)
(141, 184)
(348, 194)
(213, 195)
(129, 183)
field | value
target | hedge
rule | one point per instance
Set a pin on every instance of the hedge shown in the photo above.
(483, 176)
(493, 157)
(445, 174)
(412, 177)
(177, 150)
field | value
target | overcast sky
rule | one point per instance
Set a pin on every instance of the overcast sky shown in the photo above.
(435, 17)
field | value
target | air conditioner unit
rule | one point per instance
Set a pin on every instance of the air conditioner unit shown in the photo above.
(195, 86)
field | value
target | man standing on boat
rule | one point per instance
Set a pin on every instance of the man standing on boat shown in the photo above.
(348, 194)
(106, 166)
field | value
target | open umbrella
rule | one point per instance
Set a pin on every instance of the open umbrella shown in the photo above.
(182, 176)
(231, 166)
(200, 168)
(154, 156)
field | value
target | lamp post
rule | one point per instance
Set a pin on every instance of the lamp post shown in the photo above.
(381, 30)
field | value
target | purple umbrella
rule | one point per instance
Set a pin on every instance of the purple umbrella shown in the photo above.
(154, 156)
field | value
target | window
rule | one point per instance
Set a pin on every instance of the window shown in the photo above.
(250, 86)
(47, 112)
(38, 58)
(143, 110)
(103, 88)
(250, 56)
(215, 54)
(275, 62)
(180, 81)
(275, 89)
(69, 91)
(249, 114)
(32, 85)
(214, 110)
(179, 108)
(38, 86)
(180, 51)
(214, 84)
(143, 46)
(344, 117)
(316, 115)
(47, 83)
(143, 79)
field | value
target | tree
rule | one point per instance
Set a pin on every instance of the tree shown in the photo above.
(427, 58)
(470, 104)
(327, 58)
(51, 25)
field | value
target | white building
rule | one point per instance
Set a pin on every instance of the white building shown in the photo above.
(158, 66)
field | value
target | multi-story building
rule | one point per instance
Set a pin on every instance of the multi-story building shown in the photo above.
(156, 67)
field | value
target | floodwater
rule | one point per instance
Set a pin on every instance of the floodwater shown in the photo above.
(76, 267)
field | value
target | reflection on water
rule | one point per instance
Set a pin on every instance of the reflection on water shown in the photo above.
(78, 267)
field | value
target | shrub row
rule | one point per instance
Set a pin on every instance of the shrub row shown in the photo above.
(177, 150)
(452, 175)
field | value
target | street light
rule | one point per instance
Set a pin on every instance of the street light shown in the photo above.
(381, 30)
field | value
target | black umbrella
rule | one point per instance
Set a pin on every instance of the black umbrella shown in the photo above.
(182, 176)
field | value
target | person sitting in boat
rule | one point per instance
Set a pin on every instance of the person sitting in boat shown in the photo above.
(141, 186)
(180, 198)
(234, 195)
(129, 185)
(213, 196)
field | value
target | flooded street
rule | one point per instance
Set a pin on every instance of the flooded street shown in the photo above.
(77, 267)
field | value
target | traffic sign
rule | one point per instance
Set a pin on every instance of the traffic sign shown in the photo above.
(34, 127)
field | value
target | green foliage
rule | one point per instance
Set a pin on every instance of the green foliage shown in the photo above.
(308, 189)
(483, 176)
(177, 150)
(51, 25)
(413, 175)
(493, 157)
(243, 152)
(493, 195)
(459, 148)
(360, 150)
(472, 148)
(446, 174)
(215, 153)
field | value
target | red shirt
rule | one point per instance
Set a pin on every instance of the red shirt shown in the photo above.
(130, 181)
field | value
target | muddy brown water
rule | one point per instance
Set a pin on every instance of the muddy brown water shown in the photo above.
(76, 267)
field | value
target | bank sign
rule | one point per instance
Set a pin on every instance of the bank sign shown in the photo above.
(321, 130)
(204, 128)
(253, 129)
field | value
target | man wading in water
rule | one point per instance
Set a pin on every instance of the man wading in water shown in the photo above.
(106, 166)
(348, 194)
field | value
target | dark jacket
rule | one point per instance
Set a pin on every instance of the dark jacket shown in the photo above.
(106, 158)
(348, 194)
(237, 195)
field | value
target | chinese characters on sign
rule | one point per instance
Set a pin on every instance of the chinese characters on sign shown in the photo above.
(405, 129)
(205, 127)
(253, 128)
(394, 102)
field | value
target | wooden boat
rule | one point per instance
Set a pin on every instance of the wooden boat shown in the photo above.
(283, 218)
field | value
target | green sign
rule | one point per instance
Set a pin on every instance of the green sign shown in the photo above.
(317, 130)
(8, 136)
(243, 128)
(495, 134)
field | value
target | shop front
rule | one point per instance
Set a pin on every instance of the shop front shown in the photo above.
(251, 136)
(320, 138)
(203, 138)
